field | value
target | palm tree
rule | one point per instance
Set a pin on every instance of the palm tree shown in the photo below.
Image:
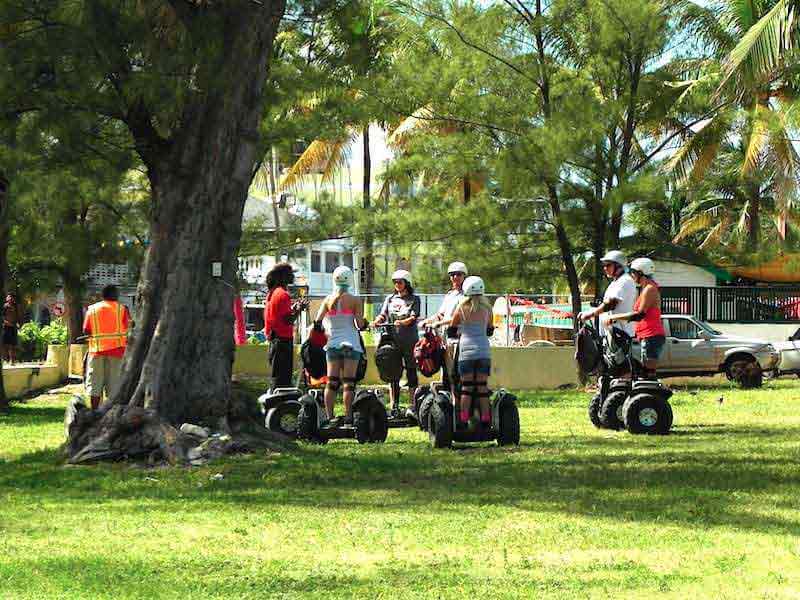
(752, 100)
(726, 210)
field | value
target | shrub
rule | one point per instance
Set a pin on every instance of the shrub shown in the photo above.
(33, 339)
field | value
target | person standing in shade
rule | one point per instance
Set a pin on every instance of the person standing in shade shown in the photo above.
(106, 326)
(10, 324)
(279, 317)
(402, 309)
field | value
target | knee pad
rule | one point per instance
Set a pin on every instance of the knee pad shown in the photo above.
(334, 383)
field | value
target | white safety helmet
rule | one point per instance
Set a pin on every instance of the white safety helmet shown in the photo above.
(402, 274)
(457, 267)
(343, 277)
(615, 256)
(645, 266)
(473, 286)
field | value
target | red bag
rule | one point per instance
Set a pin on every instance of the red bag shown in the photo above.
(429, 353)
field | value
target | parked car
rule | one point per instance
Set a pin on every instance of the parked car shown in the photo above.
(695, 348)
(789, 363)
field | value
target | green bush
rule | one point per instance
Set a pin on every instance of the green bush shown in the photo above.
(33, 339)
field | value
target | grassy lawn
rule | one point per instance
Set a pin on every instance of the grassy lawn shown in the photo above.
(711, 511)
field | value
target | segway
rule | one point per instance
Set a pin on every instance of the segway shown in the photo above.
(609, 356)
(389, 361)
(280, 406)
(444, 428)
(370, 422)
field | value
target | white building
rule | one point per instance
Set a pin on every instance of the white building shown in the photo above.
(314, 262)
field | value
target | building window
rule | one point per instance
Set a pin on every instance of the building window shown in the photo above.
(348, 259)
(316, 262)
(332, 260)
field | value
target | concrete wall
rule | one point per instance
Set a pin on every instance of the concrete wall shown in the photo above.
(20, 380)
(514, 368)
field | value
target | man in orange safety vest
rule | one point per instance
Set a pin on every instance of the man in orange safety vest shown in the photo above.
(106, 325)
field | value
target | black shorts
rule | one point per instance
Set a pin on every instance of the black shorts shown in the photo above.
(10, 335)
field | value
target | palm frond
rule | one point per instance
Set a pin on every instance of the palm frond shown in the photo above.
(714, 236)
(759, 129)
(744, 219)
(697, 153)
(761, 48)
(323, 157)
(694, 224)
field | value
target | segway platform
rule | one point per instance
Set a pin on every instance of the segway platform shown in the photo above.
(370, 422)
(444, 429)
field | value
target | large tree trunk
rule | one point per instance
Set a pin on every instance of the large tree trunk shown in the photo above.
(179, 356)
(4, 240)
(369, 258)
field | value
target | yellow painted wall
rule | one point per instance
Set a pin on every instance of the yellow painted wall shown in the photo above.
(513, 368)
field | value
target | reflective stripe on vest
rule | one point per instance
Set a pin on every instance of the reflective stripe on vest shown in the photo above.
(108, 331)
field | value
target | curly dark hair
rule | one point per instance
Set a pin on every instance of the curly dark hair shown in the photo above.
(280, 274)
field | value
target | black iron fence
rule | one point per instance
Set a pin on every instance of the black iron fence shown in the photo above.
(734, 304)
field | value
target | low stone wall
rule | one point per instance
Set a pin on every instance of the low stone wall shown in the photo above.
(19, 380)
(512, 368)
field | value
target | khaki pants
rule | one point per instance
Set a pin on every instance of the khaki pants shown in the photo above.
(102, 374)
(449, 370)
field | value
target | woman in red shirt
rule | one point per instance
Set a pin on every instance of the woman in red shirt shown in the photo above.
(646, 314)
(279, 318)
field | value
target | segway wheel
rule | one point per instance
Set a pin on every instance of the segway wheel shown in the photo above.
(370, 421)
(283, 418)
(307, 427)
(646, 414)
(594, 410)
(425, 410)
(508, 433)
(611, 415)
(440, 425)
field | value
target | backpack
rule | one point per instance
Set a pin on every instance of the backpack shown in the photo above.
(312, 353)
(389, 360)
(588, 350)
(429, 353)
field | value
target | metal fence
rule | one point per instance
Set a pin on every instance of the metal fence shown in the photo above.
(734, 304)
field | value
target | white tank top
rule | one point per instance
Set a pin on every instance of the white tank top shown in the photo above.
(341, 329)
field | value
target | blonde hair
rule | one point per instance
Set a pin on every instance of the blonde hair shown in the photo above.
(474, 303)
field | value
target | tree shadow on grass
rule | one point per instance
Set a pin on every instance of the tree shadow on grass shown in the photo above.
(26, 415)
(695, 484)
(219, 577)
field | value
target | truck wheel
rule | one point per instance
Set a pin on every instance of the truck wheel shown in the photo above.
(440, 425)
(646, 414)
(611, 416)
(508, 433)
(594, 410)
(370, 421)
(307, 428)
(746, 372)
(283, 418)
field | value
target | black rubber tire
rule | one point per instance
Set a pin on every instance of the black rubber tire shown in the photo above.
(611, 415)
(307, 429)
(281, 417)
(661, 408)
(594, 410)
(425, 410)
(440, 425)
(746, 372)
(370, 421)
(508, 430)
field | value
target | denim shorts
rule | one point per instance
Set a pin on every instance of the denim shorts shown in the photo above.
(480, 366)
(342, 353)
(652, 347)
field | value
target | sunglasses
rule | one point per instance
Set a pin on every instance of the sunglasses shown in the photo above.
(459, 274)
